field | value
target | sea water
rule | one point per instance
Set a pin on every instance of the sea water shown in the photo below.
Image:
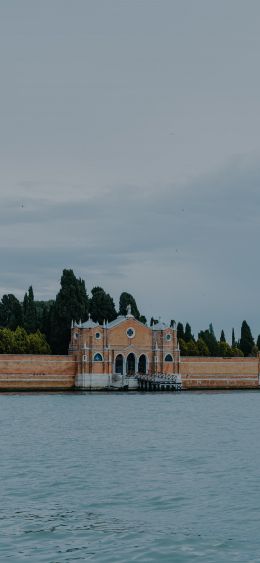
(130, 477)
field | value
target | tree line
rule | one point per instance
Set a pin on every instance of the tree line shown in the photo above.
(51, 320)
(208, 345)
(33, 326)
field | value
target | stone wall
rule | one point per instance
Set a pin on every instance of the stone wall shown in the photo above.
(219, 373)
(35, 372)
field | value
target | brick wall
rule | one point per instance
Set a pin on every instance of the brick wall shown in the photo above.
(219, 373)
(35, 372)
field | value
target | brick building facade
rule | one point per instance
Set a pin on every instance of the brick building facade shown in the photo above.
(124, 347)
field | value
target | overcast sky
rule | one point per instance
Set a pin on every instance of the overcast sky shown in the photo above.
(129, 147)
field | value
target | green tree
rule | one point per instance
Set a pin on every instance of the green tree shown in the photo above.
(233, 339)
(192, 349)
(29, 311)
(210, 340)
(236, 352)
(246, 341)
(183, 347)
(71, 304)
(180, 332)
(21, 341)
(187, 334)
(222, 336)
(11, 312)
(125, 300)
(42, 314)
(143, 319)
(37, 343)
(202, 348)
(258, 342)
(224, 349)
(102, 306)
(6, 341)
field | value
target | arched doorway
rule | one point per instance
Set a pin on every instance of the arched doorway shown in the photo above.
(130, 364)
(119, 364)
(142, 364)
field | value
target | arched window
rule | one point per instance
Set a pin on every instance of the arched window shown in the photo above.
(98, 357)
(168, 358)
(119, 364)
(142, 367)
(130, 364)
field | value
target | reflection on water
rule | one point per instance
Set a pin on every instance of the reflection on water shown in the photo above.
(129, 477)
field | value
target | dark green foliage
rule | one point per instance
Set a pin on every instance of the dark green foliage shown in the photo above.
(183, 347)
(236, 352)
(125, 300)
(20, 342)
(180, 331)
(71, 304)
(224, 350)
(192, 349)
(143, 319)
(28, 322)
(202, 348)
(246, 341)
(254, 351)
(43, 313)
(187, 334)
(11, 312)
(102, 306)
(222, 336)
(210, 340)
(29, 312)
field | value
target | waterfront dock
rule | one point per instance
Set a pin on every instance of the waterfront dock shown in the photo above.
(159, 382)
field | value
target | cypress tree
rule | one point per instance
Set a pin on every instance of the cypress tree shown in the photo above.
(210, 340)
(125, 300)
(29, 311)
(187, 334)
(258, 342)
(71, 304)
(246, 341)
(222, 336)
(11, 312)
(180, 331)
(102, 306)
(233, 338)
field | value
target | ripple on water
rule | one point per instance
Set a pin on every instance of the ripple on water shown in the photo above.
(129, 478)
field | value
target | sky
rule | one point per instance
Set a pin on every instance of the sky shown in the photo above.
(129, 152)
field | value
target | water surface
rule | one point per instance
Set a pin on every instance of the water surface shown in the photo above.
(130, 477)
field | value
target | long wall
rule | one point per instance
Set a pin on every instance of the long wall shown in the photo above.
(219, 373)
(33, 372)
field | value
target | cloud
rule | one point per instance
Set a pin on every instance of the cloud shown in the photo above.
(198, 240)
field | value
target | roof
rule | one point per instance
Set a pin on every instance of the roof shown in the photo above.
(160, 326)
(89, 323)
(120, 319)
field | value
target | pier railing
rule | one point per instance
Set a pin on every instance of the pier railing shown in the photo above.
(159, 382)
